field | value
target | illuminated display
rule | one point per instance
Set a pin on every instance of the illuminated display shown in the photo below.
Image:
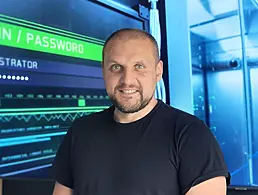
(41, 97)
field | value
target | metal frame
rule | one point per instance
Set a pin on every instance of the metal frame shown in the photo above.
(243, 189)
(218, 17)
(247, 90)
(125, 10)
(178, 55)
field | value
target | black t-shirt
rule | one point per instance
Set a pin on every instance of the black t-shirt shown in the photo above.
(165, 153)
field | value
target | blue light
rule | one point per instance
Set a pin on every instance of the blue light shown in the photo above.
(24, 142)
(31, 137)
(27, 161)
(26, 170)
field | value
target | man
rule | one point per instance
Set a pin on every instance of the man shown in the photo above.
(140, 145)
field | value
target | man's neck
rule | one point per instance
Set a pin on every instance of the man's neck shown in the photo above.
(128, 118)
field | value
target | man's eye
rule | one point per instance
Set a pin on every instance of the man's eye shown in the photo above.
(139, 66)
(115, 67)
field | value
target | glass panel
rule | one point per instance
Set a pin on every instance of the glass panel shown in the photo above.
(198, 90)
(254, 89)
(251, 50)
(219, 29)
(221, 6)
(216, 47)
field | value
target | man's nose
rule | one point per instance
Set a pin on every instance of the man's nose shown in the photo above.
(127, 77)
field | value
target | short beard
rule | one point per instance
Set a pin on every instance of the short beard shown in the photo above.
(142, 103)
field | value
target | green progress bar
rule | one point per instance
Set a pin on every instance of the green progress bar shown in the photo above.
(52, 109)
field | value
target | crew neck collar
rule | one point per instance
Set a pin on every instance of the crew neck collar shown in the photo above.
(112, 109)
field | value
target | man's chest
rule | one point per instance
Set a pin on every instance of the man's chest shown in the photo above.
(109, 164)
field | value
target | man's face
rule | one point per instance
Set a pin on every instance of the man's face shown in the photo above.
(131, 72)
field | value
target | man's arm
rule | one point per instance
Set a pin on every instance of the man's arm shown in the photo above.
(62, 168)
(202, 168)
(60, 189)
(215, 186)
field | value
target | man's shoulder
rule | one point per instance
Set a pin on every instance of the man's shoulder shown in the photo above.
(176, 115)
(180, 122)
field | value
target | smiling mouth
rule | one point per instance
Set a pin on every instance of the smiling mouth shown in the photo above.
(130, 91)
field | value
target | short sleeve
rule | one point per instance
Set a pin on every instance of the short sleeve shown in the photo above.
(62, 168)
(200, 156)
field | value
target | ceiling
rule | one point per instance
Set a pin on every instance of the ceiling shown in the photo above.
(217, 23)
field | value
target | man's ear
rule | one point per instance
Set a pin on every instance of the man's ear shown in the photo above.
(159, 70)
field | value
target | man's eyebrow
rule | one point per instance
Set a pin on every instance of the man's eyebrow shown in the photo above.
(139, 62)
(112, 61)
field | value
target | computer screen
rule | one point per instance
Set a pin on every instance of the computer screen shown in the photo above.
(50, 74)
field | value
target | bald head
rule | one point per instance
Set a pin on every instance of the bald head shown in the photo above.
(132, 34)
